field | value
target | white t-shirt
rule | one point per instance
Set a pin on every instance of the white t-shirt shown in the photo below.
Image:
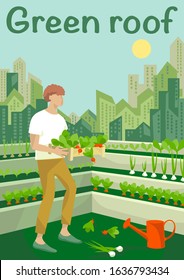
(48, 126)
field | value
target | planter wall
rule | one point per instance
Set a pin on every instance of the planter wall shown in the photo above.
(82, 179)
(24, 216)
(138, 211)
(31, 163)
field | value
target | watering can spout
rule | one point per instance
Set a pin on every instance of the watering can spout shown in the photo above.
(140, 232)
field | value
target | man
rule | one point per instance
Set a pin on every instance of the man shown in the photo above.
(44, 126)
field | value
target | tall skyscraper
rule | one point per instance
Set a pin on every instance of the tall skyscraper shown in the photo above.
(165, 121)
(133, 90)
(19, 67)
(145, 103)
(12, 82)
(177, 60)
(3, 122)
(90, 118)
(35, 89)
(161, 81)
(74, 118)
(3, 82)
(149, 72)
(130, 116)
(15, 103)
(106, 111)
(115, 129)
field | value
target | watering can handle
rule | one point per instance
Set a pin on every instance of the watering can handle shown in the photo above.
(174, 229)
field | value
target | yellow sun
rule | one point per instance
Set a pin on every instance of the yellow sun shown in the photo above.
(141, 48)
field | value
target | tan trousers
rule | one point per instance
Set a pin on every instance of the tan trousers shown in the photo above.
(48, 169)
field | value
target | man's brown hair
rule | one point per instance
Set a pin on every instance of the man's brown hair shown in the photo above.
(53, 89)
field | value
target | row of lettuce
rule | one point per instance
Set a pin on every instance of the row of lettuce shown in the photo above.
(140, 191)
(133, 190)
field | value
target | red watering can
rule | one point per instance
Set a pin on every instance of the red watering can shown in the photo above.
(154, 234)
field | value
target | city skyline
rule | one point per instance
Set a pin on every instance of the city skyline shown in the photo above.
(126, 118)
(135, 86)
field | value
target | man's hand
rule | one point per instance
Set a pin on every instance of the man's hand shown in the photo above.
(60, 151)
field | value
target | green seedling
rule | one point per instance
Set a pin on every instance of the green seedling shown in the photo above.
(12, 148)
(182, 168)
(174, 166)
(134, 147)
(96, 181)
(71, 167)
(89, 164)
(157, 145)
(108, 146)
(115, 146)
(176, 146)
(154, 165)
(4, 172)
(144, 165)
(27, 171)
(34, 192)
(146, 147)
(132, 165)
(106, 184)
(141, 190)
(17, 194)
(159, 193)
(27, 147)
(5, 146)
(17, 172)
(8, 196)
(123, 147)
(181, 198)
(175, 196)
(133, 189)
(166, 194)
(25, 193)
(150, 191)
(164, 168)
(166, 146)
(81, 166)
(124, 187)
(20, 147)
